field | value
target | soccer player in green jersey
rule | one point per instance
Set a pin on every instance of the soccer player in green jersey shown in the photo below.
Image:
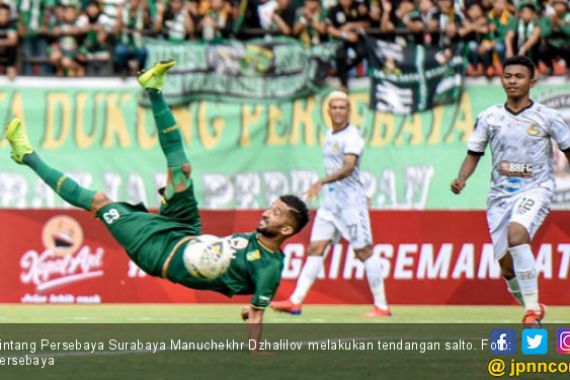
(156, 243)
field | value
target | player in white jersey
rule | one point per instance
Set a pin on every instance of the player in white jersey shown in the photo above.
(520, 135)
(343, 211)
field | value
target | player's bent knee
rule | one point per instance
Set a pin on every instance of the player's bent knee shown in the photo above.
(517, 235)
(100, 200)
(363, 254)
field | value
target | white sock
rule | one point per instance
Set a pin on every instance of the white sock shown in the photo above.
(525, 271)
(307, 278)
(515, 290)
(373, 267)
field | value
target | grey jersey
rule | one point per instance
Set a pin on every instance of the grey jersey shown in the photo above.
(521, 146)
(348, 191)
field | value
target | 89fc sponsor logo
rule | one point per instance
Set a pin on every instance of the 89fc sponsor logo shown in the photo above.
(514, 169)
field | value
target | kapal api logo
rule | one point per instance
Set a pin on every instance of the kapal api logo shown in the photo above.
(64, 259)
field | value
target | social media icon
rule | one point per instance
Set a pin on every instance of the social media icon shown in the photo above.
(503, 341)
(563, 341)
(534, 341)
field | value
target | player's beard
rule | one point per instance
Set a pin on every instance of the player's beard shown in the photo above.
(266, 232)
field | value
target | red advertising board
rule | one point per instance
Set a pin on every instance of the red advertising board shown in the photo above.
(429, 257)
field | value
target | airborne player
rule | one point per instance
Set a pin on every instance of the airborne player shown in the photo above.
(156, 243)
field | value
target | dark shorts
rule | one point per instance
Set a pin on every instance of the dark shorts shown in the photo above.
(149, 238)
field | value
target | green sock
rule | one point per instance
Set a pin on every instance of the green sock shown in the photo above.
(168, 132)
(64, 186)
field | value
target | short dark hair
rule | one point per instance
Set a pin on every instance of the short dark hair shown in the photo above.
(520, 60)
(297, 210)
(6, 7)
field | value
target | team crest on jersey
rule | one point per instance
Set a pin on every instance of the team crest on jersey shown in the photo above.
(533, 130)
(253, 255)
(335, 148)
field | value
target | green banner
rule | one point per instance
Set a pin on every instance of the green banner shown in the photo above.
(282, 68)
(244, 155)
(406, 79)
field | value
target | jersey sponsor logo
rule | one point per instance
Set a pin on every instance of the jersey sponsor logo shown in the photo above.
(513, 185)
(514, 169)
(253, 255)
(237, 243)
(533, 130)
(65, 260)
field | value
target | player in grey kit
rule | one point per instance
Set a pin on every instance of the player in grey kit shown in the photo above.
(520, 133)
(343, 211)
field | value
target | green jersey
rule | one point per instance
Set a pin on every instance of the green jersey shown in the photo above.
(156, 244)
(255, 269)
(558, 37)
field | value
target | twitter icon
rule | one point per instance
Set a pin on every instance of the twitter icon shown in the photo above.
(534, 341)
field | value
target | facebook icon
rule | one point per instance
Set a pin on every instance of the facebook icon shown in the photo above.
(503, 342)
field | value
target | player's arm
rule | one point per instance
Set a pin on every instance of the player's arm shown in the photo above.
(349, 162)
(266, 279)
(467, 168)
(476, 146)
(254, 317)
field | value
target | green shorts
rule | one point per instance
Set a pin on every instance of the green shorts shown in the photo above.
(149, 238)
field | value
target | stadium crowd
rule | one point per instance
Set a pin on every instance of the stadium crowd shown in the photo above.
(91, 37)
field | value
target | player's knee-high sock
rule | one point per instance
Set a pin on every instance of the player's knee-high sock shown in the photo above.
(64, 186)
(515, 290)
(307, 277)
(375, 278)
(525, 271)
(168, 132)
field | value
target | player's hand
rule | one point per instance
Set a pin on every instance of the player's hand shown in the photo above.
(245, 312)
(457, 185)
(313, 191)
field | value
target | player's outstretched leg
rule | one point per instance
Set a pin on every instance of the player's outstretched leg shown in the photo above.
(308, 276)
(375, 278)
(152, 80)
(23, 153)
(526, 274)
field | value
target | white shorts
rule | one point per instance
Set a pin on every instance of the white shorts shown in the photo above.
(353, 224)
(528, 208)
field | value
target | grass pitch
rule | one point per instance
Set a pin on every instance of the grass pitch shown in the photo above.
(229, 313)
(134, 326)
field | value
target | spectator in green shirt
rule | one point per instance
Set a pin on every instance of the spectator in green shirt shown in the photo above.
(474, 29)
(173, 21)
(310, 25)
(32, 29)
(523, 36)
(492, 50)
(555, 30)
